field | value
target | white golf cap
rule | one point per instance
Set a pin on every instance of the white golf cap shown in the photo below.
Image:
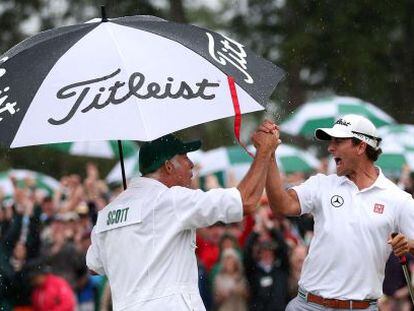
(349, 126)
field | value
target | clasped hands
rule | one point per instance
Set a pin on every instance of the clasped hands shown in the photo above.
(266, 137)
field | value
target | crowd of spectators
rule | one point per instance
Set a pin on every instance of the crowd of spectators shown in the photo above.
(253, 265)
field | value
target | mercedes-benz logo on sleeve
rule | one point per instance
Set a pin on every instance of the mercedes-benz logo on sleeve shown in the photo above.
(337, 200)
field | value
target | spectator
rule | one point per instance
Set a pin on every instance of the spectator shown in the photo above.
(62, 253)
(24, 224)
(86, 290)
(48, 209)
(14, 288)
(70, 194)
(296, 259)
(51, 292)
(6, 215)
(396, 295)
(204, 286)
(227, 241)
(208, 244)
(267, 267)
(230, 287)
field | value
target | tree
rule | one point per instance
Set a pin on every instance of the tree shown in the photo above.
(13, 14)
(359, 48)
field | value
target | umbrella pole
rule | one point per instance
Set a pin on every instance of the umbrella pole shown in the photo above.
(121, 157)
(103, 14)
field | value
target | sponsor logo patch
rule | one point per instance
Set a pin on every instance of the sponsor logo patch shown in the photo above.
(342, 122)
(378, 208)
(337, 200)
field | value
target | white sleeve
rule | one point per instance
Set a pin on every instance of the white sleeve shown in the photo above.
(307, 192)
(406, 218)
(197, 208)
(93, 259)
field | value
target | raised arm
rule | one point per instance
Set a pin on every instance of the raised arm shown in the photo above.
(281, 201)
(252, 186)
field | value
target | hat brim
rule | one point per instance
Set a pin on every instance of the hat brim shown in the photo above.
(328, 133)
(191, 146)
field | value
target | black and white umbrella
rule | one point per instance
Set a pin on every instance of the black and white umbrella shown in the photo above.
(130, 78)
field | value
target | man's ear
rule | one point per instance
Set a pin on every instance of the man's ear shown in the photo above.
(169, 167)
(362, 147)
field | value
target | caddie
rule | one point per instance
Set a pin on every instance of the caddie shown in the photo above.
(144, 241)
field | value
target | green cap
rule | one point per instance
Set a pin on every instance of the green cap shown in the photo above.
(152, 155)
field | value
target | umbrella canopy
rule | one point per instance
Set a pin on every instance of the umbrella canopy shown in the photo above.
(402, 134)
(292, 159)
(394, 156)
(27, 178)
(132, 166)
(324, 112)
(132, 78)
(97, 149)
(224, 158)
(234, 159)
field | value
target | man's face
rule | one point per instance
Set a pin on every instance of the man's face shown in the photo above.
(344, 153)
(267, 256)
(48, 207)
(183, 170)
(38, 280)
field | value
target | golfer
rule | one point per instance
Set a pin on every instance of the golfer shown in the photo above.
(144, 241)
(355, 212)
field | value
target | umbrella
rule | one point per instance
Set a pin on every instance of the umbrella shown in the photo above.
(135, 78)
(324, 112)
(27, 178)
(402, 134)
(132, 78)
(224, 158)
(97, 149)
(394, 156)
(236, 161)
(132, 166)
(397, 147)
(292, 159)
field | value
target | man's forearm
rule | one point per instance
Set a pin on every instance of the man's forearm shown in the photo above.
(279, 199)
(252, 185)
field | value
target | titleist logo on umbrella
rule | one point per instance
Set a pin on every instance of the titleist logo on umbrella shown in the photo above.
(5, 104)
(230, 51)
(134, 87)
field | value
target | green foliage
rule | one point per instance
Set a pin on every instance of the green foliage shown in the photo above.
(12, 14)
(358, 48)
